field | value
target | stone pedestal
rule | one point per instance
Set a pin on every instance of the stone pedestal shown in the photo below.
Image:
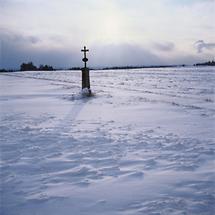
(86, 81)
(85, 78)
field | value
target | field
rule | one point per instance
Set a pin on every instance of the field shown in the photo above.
(144, 143)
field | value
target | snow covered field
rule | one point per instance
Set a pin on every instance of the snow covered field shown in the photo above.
(143, 144)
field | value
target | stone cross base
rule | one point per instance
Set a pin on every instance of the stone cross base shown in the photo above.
(86, 79)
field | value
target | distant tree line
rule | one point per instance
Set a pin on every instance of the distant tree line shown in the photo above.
(75, 68)
(209, 63)
(7, 70)
(31, 67)
(139, 67)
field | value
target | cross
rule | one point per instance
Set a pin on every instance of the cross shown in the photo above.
(85, 56)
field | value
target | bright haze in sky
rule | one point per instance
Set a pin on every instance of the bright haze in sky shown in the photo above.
(117, 32)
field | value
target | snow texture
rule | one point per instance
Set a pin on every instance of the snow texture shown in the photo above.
(142, 144)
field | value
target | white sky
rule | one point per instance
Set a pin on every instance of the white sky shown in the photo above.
(118, 32)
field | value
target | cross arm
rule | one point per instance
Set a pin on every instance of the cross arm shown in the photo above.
(85, 50)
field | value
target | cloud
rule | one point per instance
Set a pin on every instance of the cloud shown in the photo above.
(189, 2)
(10, 37)
(123, 55)
(17, 48)
(201, 45)
(165, 46)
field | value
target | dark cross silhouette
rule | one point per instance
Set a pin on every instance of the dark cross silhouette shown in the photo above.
(85, 56)
(85, 72)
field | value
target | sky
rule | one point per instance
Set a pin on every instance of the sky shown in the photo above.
(117, 32)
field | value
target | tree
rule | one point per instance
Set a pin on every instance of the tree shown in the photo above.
(46, 68)
(28, 67)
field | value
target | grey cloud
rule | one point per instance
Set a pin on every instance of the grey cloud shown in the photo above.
(17, 48)
(14, 38)
(123, 55)
(5, 3)
(166, 46)
(201, 45)
(8, 3)
(13, 56)
(33, 39)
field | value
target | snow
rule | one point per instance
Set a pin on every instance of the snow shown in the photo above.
(142, 144)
